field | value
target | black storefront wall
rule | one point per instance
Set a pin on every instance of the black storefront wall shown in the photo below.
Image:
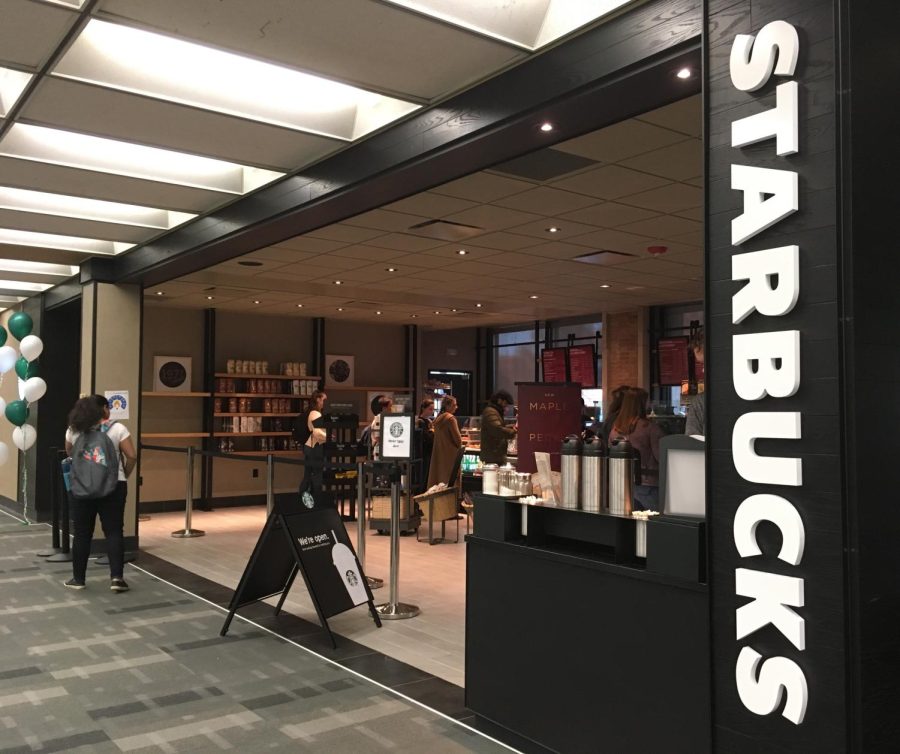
(804, 680)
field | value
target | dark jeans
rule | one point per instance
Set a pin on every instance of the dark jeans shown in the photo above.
(313, 464)
(112, 519)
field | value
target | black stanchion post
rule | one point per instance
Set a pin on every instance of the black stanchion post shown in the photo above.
(361, 525)
(394, 609)
(187, 532)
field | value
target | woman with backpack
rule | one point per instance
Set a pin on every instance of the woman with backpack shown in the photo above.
(98, 486)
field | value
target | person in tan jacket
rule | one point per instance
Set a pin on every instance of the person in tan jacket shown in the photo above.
(447, 441)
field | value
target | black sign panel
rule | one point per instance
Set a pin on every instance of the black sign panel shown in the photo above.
(327, 559)
(778, 612)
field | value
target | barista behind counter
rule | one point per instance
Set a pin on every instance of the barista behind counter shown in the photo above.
(495, 435)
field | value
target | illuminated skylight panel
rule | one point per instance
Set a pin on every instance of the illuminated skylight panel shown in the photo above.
(144, 62)
(66, 243)
(530, 24)
(38, 268)
(71, 149)
(12, 84)
(19, 285)
(24, 200)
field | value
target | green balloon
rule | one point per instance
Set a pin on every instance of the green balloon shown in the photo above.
(20, 325)
(25, 369)
(2, 337)
(17, 412)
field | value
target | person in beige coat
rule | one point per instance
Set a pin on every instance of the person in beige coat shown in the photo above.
(447, 441)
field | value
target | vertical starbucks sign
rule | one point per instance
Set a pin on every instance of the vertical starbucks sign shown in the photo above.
(775, 502)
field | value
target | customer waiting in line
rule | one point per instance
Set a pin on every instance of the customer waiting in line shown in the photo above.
(495, 435)
(425, 427)
(643, 435)
(314, 446)
(99, 442)
(615, 406)
(447, 442)
(696, 413)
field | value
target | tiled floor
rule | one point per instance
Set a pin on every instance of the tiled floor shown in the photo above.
(432, 577)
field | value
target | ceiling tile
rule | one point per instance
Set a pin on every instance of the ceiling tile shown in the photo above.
(30, 32)
(429, 204)
(308, 244)
(490, 217)
(483, 187)
(677, 162)
(620, 141)
(692, 213)
(384, 220)
(345, 233)
(367, 254)
(506, 241)
(685, 116)
(671, 198)
(129, 117)
(662, 227)
(545, 200)
(404, 242)
(610, 182)
(615, 240)
(540, 229)
(608, 215)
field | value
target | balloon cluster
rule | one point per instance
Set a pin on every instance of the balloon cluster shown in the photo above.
(31, 387)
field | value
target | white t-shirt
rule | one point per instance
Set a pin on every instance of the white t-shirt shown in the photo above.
(117, 433)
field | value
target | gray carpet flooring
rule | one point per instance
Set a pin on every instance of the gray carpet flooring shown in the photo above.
(146, 671)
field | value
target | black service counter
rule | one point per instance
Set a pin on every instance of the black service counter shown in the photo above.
(575, 652)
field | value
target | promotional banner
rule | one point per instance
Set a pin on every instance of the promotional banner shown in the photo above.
(547, 413)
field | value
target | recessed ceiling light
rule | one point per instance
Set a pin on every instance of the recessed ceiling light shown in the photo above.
(684, 73)
(338, 282)
(67, 148)
(413, 315)
(605, 285)
(454, 310)
(160, 293)
(390, 269)
(478, 306)
(462, 252)
(299, 306)
(546, 127)
(255, 301)
(437, 312)
(340, 309)
(209, 298)
(145, 62)
(378, 312)
(532, 296)
(553, 229)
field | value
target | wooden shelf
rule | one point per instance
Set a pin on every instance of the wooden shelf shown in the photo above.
(369, 389)
(261, 395)
(152, 394)
(251, 413)
(250, 434)
(265, 376)
(174, 435)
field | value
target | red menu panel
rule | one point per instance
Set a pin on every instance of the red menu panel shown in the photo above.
(555, 365)
(583, 365)
(673, 360)
(547, 413)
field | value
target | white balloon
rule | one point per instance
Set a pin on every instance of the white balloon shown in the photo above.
(7, 358)
(21, 384)
(2, 407)
(23, 437)
(4, 453)
(35, 389)
(31, 347)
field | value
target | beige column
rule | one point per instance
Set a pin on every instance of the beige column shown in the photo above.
(111, 360)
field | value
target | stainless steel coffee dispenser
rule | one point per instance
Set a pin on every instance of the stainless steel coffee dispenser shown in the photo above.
(570, 466)
(624, 469)
(592, 474)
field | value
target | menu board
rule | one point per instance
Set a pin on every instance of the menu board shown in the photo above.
(673, 360)
(555, 364)
(583, 365)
